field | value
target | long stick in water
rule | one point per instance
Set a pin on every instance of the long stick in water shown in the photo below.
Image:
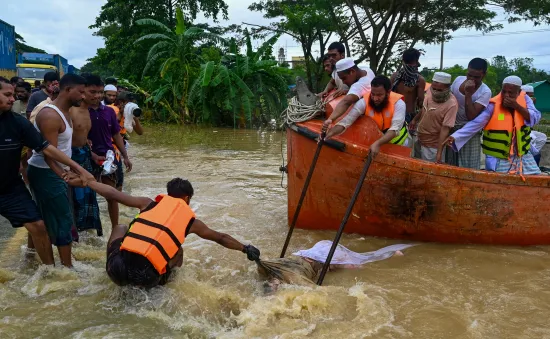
(345, 220)
(304, 191)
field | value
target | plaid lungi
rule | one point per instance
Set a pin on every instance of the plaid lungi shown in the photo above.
(469, 155)
(529, 165)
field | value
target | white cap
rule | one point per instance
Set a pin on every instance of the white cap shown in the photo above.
(528, 89)
(513, 80)
(344, 64)
(110, 88)
(442, 77)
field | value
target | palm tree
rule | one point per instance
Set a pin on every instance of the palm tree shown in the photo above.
(174, 51)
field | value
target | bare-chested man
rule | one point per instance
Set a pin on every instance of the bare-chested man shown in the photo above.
(409, 83)
(85, 206)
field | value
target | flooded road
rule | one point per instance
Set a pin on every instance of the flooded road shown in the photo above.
(434, 291)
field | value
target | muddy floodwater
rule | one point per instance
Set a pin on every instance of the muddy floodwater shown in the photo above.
(433, 291)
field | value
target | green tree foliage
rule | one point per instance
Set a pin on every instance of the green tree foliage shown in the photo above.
(22, 47)
(250, 87)
(376, 29)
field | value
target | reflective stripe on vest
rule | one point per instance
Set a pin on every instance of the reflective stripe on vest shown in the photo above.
(157, 234)
(499, 132)
(383, 119)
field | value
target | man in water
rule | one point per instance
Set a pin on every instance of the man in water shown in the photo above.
(408, 82)
(146, 253)
(385, 107)
(23, 93)
(436, 119)
(104, 133)
(359, 83)
(16, 203)
(51, 81)
(506, 125)
(473, 97)
(85, 206)
(49, 189)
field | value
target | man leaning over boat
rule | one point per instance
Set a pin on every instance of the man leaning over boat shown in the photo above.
(386, 108)
(506, 125)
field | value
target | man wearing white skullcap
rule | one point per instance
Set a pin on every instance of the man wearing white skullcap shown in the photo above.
(530, 90)
(358, 81)
(513, 111)
(111, 93)
(473, 97)
(436, 119)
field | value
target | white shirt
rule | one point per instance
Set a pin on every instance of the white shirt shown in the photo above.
(362, 86)
(338, 82)
(360, 106)
(481, 96)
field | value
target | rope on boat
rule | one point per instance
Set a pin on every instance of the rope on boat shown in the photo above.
(298, 112)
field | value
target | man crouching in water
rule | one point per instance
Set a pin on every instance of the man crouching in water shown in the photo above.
(145, 253)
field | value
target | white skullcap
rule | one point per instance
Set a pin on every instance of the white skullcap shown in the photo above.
(442, 77)
(528, 89)
(344, 64)
(513, 80)
(110, 88)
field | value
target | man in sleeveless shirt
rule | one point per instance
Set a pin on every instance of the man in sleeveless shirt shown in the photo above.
(408, 82)
(50, 191)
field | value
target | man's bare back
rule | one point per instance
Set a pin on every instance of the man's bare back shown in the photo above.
(81, 125)
(410, 93)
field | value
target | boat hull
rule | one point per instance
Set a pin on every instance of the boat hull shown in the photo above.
(410, 199)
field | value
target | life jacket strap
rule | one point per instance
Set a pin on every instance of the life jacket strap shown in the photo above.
(152, 242)
(162, 228)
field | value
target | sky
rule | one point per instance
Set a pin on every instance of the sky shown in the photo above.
(60, 27)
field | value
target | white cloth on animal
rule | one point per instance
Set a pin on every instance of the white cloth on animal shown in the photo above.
(344, 256)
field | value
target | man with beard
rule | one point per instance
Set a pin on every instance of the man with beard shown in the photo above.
(436, 119)
(85, 206)
(51, 81)
(359, 82)
(506, 125)
(386, 108)
(473, 97)
(22, 93)
(50, 191)
(104, 132)
(408, 82)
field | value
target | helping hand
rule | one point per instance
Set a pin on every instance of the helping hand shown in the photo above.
(374, 149)
(450, 141)
(252, 253)
(98, 159)
(326, 124)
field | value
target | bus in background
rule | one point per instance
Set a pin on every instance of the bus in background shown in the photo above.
(33, 66)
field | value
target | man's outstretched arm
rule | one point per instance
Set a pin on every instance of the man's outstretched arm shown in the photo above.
(111, 193)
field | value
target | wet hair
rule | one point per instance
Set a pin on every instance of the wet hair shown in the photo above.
(179, 188)
(4, 81)
(92, 80)
(381, 81)
(411, 55)
(71, 80)
(24, 85)
(478, 64)
(337, 46)
(111, 81)
(51, 77)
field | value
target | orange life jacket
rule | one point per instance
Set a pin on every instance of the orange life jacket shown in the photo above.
(383, 119)
(503, 125)
(158, 233)
(121, 121)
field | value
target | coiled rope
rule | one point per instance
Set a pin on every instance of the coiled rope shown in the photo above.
(298, 112)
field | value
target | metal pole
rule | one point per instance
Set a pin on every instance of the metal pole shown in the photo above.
(345, 220)
(304, 191)
(442, 49)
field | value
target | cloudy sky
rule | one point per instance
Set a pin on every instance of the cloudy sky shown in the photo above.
(60, 26)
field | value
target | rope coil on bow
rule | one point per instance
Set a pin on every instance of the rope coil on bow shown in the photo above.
(298, 112)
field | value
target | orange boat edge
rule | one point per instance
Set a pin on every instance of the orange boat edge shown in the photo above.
(407, 198)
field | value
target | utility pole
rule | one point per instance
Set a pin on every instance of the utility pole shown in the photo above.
(442, 48)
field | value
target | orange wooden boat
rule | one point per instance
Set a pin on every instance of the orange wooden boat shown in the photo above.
(411, 199)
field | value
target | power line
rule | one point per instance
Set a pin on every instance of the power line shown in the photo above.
(503, 33)
(516, 56)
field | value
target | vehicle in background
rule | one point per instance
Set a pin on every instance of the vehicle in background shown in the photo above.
(7, 50)
(33, 66)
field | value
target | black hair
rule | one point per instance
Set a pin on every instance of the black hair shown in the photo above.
(325, 57)
(111, 81)
(25, 85)
(383, 81)
(37, 83)
(92, 80)
(71, 80)
(51, 76)
(15, 80)
(338, 46)
(411, 55)
(126, 96)
(179, 188)
(4, 81)
(478, 64)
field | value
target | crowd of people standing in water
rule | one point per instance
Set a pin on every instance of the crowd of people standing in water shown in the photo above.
(447, 120)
